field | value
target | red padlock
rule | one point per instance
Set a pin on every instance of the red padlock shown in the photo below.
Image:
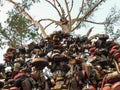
(112, 51)
(10, 49)
(116, 86)
(117, 55)
(6, 59)
(92, 49)
(14, 88)
(115, 47)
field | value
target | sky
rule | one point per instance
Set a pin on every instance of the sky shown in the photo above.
(43, 10)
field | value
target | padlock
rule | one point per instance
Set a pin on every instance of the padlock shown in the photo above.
(89, 87)
(113, 77)
(11, 50)
(107, 87)
(116, 86)
(14, 88)
(117, 55)
(103, 36)
(6, 59)
(115, 47)
(92, 49)
(40, 62)
(112, 51)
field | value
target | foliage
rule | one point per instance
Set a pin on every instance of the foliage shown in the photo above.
(18, 30)
(26, 4)
(112, 21)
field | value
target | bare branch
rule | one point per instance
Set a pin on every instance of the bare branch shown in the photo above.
(89, 31)
(60, 6)
(48, 25)
(54, 7)
(47, 19)
(101, 23)
(30, 18)
(7, 36)
(88, 13)
(71, 6)
(69, 16)
(77, 24)
(56, 22)
(73, 21)
(81, 9)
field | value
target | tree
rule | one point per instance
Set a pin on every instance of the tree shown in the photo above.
(64, 8)
(18, 29)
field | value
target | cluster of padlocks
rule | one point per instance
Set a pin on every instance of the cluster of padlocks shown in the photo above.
(63, 62)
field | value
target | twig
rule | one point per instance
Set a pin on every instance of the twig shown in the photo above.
(54, 7)
(56, 22)
(69, 16)
(48, 25)
(88, 13)
(102, 23)
(81, 9)
(89, 31)
(71, 6)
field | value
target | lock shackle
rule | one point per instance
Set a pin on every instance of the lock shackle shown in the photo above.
(116, 65)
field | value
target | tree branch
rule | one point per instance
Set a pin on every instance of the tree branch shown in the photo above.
(80, 9)
(48, 25)
(101, 23)
(62, 11)
(54, 7)
(56, 22)
(74, 20)
(30, 18)
(71, 6)
(89, 31)
(88, 13)
(69, 16)
(47, 19)
(7, 36)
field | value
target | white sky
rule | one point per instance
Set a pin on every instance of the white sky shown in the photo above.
(43, 10)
